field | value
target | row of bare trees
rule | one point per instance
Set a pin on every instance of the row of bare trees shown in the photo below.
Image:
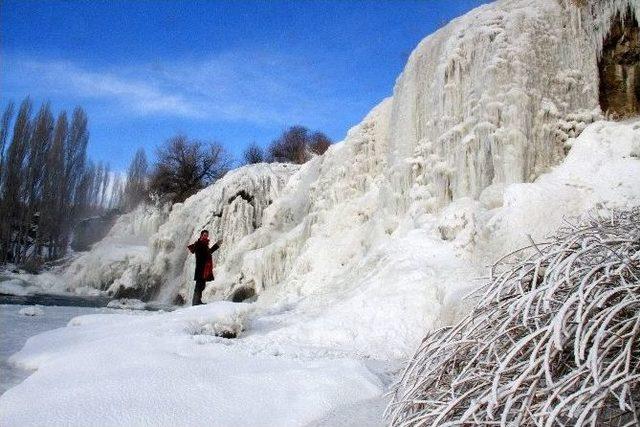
(183, 166)
(295, 145)
(46, 181)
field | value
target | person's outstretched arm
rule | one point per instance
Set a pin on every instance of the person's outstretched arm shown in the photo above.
(215, 246)
(192, 247)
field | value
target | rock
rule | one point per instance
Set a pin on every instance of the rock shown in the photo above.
(32, 310)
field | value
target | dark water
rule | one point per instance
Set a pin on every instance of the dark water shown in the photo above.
(55, 299)
(64, 300)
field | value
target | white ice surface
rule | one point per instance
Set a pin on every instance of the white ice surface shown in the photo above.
(15, 329)
(160, 370)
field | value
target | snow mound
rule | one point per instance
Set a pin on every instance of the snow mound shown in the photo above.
(173, 377)
(127, 304)
(32, 310)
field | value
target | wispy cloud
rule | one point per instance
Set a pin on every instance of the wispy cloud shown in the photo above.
(63, 78)
(238, 86)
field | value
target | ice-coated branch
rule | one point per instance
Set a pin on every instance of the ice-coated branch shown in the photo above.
(553, 340)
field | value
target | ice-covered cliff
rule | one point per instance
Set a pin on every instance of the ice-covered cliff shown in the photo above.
(391, 225)
(492, 97)
(144, 255)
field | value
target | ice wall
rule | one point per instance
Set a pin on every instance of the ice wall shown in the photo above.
(123, 252)
(144, 255)
(230, 209)
(390, 223)
(489, 100)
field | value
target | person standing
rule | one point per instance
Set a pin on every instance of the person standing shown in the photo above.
(204, 264)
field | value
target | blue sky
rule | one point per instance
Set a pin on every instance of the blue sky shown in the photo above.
(229, 71)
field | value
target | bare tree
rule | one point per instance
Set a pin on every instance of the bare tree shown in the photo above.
(13, 183)
(84, 191)
(105, 186)
(136, 188)
(75, 154)
(4, 133)
(319, 143)
(96, 186)
(39, 144)
(53, 211)
(291, 146)
(298, 145)
(253, 154)
(185, 166)
(116, 197)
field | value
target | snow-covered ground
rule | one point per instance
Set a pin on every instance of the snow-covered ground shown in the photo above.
(20, 322)
(170, 369)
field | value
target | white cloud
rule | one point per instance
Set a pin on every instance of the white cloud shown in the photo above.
(67, 79)
(237, 86)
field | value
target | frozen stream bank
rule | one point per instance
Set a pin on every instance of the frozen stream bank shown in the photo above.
(16, 328)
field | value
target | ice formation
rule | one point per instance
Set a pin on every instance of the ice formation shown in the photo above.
(144, 255)
(486, 104)
(117, 262)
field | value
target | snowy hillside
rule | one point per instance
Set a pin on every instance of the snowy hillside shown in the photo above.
(492, 136)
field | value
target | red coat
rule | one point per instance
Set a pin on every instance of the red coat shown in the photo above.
(204, 260)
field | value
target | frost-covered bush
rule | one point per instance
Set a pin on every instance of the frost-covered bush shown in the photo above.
(554, 339)
(227, 327)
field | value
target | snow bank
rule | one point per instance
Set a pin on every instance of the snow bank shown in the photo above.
(173, 376)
